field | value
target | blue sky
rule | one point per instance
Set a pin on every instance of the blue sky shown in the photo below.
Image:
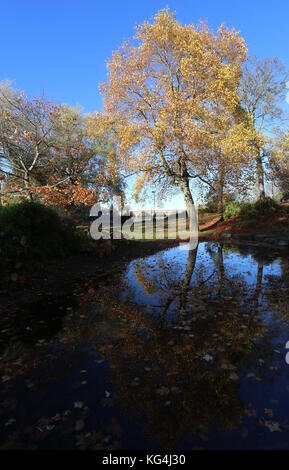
(60, 47)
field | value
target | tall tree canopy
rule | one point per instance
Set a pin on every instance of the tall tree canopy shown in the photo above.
(163, 95)
(262, 90)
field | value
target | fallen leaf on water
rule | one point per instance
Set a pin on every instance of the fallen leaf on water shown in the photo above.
(208, 358)
(49, 427)
(56, 418)
(5, 378)
(78, 404)
(272, 426)
(10, 421)
(234, 376)
(163, 391)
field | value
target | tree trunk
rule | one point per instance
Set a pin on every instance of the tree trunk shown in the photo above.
(186, 190)
(27, 186)
(190, 266)
(258, 282)
(221, 270)
(220, 189)
(260, 176)
(259, 276)
(192, 216)
(183, 292)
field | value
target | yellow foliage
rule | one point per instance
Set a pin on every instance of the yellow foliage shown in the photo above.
(170, 98)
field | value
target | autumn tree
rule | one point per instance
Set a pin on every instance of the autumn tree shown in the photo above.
(262, 89)
(24, 137)
(77, 172)
(46, 153)
(279, 162)
(161, 92)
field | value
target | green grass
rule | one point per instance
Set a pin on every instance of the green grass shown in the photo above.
(207, 232)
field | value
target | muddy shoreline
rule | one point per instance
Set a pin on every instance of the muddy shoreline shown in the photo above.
(58, 278)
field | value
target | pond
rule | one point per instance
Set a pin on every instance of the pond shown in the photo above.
(179, 350)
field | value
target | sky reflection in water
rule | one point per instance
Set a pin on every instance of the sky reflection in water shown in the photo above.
(180, 350)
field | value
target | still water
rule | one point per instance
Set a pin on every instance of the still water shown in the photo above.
(179, 350)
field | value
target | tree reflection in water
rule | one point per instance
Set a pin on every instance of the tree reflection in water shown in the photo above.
(182, 334)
